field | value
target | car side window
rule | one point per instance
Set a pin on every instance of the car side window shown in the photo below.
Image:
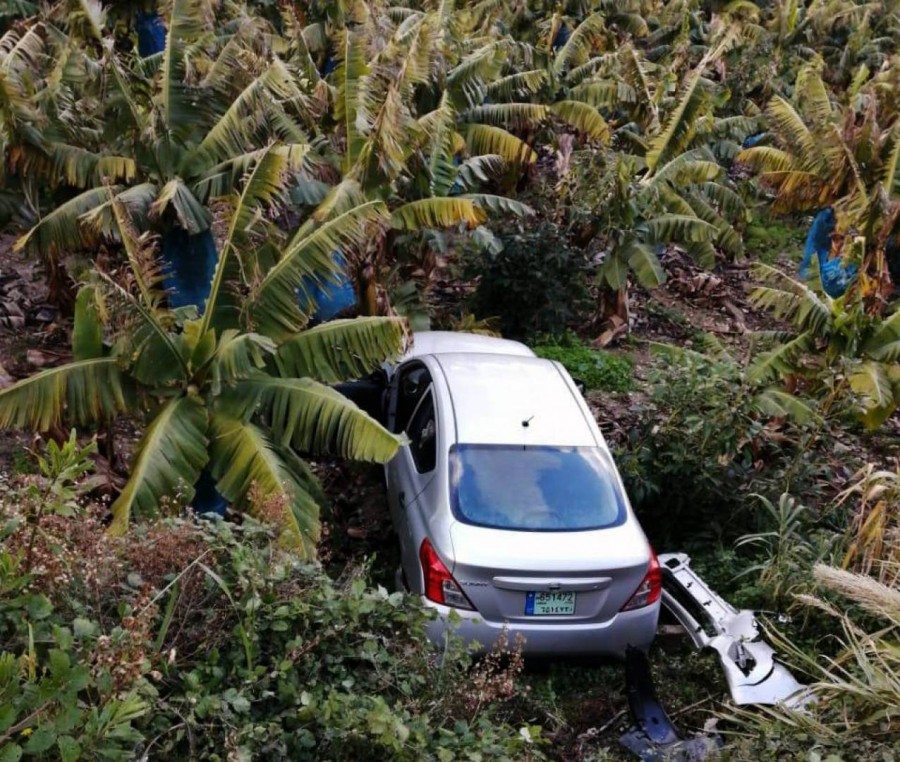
(412, 384)
(422, 432)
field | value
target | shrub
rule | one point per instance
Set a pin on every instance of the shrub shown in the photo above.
(596, 368)
(536, 284)
(205, 640)
(704, 446)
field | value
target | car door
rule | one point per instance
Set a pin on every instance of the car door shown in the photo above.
(409, 472)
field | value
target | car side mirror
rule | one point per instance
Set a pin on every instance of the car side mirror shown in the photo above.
(580, 385)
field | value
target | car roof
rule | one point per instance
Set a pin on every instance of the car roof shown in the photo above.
(493, 394)
(442, 342)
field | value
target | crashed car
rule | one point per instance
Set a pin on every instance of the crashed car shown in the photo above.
(509, 509)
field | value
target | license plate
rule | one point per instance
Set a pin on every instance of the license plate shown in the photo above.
(549, 604)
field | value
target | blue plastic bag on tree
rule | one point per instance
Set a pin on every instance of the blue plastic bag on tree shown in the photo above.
(189, 263)
(330, 299)
(753, 140)
(818, 240)
(151, 33)
(834, 275)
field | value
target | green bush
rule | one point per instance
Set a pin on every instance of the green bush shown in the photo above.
(596, 368)
(536, 284)
(207, 641)
(704, 448)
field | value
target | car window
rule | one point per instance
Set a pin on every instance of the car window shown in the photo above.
(412, 384)
(422, 433)
(534, 488)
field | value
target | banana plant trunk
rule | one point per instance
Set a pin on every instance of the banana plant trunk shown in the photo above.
(614, 314)
(367, 274)
(368, 291)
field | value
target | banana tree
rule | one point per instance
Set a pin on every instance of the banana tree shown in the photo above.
(238, 392)
(171, 133)
(839, 350)
(827, 155)
(668, 189)
(409, 159)
(21, 78)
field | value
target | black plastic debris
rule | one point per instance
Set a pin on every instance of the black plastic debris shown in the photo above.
(653, 736)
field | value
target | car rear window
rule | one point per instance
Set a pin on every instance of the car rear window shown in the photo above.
(534, 488)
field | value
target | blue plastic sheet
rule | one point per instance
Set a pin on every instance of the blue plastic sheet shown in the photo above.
(818, 240)
(834, 274)
(753, 140)
(892, 254)
(189, 263)
(562, 36)
(151, 33)
(331, 299)
(208, 499)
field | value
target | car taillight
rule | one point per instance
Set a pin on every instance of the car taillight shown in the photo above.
(650, 589)
(440, 586)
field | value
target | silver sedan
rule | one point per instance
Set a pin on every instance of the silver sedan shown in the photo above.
(508, 506)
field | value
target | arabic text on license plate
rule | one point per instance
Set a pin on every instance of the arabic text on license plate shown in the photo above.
(549, 604)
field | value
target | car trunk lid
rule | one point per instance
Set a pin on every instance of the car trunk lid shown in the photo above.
(519, 576)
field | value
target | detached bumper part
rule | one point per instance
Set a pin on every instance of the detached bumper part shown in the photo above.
(653, 736)
(753, 675)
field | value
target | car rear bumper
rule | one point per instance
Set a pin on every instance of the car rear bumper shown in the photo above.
(610, 638)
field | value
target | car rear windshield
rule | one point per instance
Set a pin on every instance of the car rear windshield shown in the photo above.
(534, 488)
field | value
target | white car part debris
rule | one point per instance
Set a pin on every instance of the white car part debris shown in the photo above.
(753, 675)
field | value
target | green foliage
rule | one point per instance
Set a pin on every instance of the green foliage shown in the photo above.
(845, 355)
(784, 551)
(766, 239)
(536, 284)
(61, 470)
(596, 368)
(708, 438)
(221, 640)
(213, 392)
(43, 714)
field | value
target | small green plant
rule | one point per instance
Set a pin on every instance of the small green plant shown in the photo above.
(596, 368)
(785, 552)
(61, 469)
(54, 490)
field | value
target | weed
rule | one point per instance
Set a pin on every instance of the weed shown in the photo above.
(22, 462)
(596, 368)
(768, 238)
